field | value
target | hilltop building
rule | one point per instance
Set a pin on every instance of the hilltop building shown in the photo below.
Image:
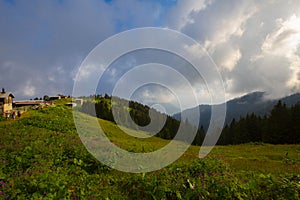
(60, 96)
(6, 102)
(28, 103)
(54, 98)
(78, 101)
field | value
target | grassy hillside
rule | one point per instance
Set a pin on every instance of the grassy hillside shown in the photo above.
(42, 157)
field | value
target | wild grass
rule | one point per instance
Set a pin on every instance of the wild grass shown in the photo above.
(42, 156)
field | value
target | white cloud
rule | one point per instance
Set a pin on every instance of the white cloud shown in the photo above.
(88, 71)
(294, 82)
(254, 43)
(227, 57)
(285, 40)
(230, 62)
(228, 28)
(29, 89)
(195, 50)
(180, 15)
(161, 96)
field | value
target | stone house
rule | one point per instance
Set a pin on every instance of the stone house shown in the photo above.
(6, 102)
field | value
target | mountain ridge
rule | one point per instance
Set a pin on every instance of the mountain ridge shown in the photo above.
(254, 102)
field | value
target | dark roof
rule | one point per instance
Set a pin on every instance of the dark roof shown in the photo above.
(6, 94)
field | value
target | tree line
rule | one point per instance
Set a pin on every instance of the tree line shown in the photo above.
(101, 107)
(281, 126)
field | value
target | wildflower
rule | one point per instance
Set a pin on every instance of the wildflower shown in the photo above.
(191, 185)
(1, 192)
(71, 191)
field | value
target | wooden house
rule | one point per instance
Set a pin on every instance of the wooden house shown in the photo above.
(6, 102)
(27, 103)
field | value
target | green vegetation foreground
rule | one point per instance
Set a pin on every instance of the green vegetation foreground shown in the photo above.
(42, 157)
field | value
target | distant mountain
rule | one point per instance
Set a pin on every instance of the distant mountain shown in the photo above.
(240, 107)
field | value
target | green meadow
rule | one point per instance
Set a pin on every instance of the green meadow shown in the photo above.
(42, 157)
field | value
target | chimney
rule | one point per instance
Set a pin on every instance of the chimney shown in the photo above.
(3, 90)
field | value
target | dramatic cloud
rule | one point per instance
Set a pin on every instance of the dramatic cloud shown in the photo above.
(43, 43)
(255, 44)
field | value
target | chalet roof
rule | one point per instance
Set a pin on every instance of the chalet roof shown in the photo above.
(6, 94)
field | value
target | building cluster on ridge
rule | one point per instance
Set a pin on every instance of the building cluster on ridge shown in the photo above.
(11, 108)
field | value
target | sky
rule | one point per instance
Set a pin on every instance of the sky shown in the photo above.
(254, 44)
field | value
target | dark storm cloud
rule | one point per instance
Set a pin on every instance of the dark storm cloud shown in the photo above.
(44, 42)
